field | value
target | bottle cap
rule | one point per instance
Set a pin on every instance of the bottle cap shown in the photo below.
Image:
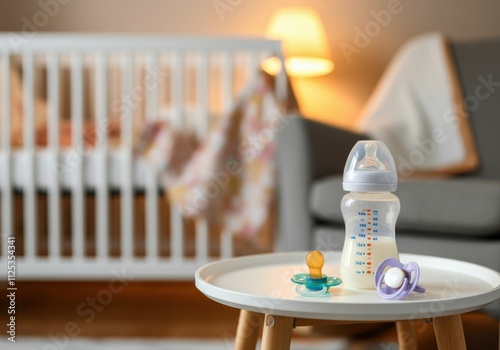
(370, 167)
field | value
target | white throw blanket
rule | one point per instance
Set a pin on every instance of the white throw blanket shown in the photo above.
(417, 111)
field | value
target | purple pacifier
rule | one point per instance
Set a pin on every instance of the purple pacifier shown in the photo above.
(399, 281)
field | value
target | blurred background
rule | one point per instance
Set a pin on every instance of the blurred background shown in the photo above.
(361, 37)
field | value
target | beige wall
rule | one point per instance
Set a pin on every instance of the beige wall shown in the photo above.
(336, 98)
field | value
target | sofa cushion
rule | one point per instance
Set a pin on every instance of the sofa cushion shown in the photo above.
(461, 205)
(476, 62)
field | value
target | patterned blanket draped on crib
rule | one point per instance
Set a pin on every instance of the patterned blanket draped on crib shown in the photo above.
(229, 177)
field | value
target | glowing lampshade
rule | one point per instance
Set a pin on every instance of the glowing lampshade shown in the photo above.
(304, 43)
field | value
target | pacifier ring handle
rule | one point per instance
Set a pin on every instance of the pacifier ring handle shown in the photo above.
(419, 289)
(304, 291)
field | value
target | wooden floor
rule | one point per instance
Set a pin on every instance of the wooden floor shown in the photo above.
(147, 309)
(178, 309)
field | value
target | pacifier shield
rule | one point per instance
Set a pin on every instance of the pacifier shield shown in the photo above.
(399, 281)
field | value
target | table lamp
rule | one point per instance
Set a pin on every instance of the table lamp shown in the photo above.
(304, 43)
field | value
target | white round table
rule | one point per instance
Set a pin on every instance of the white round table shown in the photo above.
(260, 286)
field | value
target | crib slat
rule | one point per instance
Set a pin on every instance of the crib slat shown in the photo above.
(53, 99)
(127, 102)
(29, 101)
(6, 101)
(30, 213)
(227, 81)
(151, 85)
(101, 152)
(53, 136)
(177, 88)
(202, 98)
(6, 153)
(202, 130)
(226, 244)
(177, 81)
(127, 207)
(201, 240)
(228, 98)
(176, 233)
(127, 204)
(77, 205)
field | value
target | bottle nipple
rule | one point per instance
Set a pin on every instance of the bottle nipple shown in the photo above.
(315, 262)
(370, 160)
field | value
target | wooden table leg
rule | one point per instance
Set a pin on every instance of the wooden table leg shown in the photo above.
(248, 331)
(406, 335)
(277, 333)
(449, 333)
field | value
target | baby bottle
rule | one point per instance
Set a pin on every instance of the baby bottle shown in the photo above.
(370, 211)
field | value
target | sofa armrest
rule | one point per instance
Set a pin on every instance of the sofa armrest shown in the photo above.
(306, 150)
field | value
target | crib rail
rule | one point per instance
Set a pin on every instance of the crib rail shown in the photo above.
(187, 80)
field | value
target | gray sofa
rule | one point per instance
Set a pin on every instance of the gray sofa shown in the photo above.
(456, 217)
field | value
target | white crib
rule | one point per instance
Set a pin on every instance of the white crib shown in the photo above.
(45, 189)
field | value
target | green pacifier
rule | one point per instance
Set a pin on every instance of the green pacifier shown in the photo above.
(314, 283)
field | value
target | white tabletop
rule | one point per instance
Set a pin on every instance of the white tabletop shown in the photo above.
(261, 283)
